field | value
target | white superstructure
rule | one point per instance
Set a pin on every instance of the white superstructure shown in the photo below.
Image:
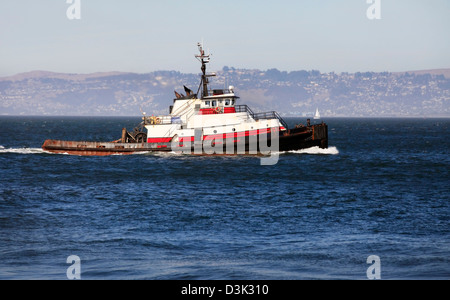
(213, 115)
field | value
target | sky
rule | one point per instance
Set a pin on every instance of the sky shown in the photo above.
(143, 35)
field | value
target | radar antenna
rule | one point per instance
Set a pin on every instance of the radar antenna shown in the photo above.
(204, 59)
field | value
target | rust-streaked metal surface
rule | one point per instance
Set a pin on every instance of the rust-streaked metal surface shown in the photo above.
(98, 148)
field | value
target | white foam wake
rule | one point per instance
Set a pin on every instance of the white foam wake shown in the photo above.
(4, 150)
(316, 150)
(313, 150)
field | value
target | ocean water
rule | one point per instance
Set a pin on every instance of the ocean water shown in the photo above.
(382, 188)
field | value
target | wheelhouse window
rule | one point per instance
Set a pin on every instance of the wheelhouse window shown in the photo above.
(227, 102)
(214, 103)
(207, 103)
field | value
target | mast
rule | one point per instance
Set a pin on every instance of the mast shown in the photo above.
(204, 59)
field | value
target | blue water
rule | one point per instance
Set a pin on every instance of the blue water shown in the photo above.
(381, 189)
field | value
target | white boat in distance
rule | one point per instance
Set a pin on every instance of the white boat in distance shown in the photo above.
(317, 115)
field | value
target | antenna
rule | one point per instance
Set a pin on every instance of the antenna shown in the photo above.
(204, 59)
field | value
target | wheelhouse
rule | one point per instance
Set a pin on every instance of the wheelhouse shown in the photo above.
(219, 101)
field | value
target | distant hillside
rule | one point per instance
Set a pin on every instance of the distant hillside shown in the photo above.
(65, 76)
(296, 93)
(445, 72)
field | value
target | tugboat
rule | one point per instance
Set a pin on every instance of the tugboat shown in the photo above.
(208, 122)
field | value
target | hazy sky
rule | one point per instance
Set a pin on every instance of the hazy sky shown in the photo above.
(143, 36)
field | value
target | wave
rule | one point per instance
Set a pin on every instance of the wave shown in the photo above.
(4, 150)
(316, 150)
(313, 150)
